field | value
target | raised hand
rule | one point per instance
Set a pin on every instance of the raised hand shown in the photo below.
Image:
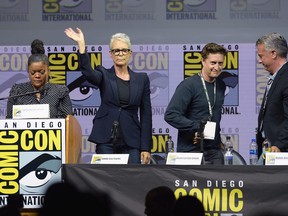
(77, 36)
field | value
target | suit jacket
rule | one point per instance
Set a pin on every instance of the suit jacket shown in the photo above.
(275, 116)
(136, 132)
(57, 96)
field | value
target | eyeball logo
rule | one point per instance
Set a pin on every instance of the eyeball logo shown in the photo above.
(70, 3)
(194, 2)
(8, 3)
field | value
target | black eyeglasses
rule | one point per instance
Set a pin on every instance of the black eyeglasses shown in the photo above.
(116, 52)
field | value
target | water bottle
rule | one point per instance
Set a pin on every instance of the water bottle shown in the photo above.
(169, 145)
(228, 155)
(253, 155)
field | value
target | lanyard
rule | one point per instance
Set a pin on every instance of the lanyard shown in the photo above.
(207, 96)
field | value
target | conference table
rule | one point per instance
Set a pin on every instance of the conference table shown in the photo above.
(224, 190)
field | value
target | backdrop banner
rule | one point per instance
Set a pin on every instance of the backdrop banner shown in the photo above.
(166, 66)
(224, 190)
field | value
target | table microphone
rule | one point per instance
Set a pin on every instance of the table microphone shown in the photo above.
(43, 90)
(200, 133)
(20, 95)
(114, 131)
(201, 128)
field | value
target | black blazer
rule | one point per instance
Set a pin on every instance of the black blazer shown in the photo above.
(275, 116)
(135, 118)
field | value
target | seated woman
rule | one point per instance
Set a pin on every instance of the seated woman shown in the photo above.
(42, 92)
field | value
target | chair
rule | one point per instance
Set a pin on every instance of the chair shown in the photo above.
(157, 159)
(238, 159)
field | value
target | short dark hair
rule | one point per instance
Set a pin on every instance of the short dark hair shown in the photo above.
(213, 48)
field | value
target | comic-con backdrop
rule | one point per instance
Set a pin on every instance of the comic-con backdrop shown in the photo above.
(167, 38)
(166, 65)
(145, 21)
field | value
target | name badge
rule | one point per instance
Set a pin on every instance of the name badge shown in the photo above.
(209, 130)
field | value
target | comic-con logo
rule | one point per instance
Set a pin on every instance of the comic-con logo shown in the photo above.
(190, 10)
(67, 10)
(260, 9)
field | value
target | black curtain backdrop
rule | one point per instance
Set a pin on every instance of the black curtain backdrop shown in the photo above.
(224, 190)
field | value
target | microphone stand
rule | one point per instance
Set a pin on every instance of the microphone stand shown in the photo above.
(202, 146)
(20, 95)
(201, 134)
(114, 135)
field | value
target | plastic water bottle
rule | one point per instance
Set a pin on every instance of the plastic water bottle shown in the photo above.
(253, 152)
(228, 155)
(169, 145)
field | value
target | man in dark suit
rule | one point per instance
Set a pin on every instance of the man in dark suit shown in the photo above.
(273, 115)
(117, 128)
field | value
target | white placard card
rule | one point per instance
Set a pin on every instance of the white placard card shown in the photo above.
(109, 158)
(31, 111)
(183, 158)
(276, 158)
(209, 130)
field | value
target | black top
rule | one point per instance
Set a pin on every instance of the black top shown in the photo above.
(123, 91)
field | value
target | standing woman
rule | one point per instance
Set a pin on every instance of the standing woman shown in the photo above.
(57, 96)
(123, 123)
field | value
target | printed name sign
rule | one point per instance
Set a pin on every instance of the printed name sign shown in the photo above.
(31, 111)
(183, 158)
(276, 158)
(109, 158)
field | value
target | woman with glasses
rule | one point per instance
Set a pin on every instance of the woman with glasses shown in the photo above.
(123, 123)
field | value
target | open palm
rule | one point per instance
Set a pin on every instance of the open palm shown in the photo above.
(77, 35)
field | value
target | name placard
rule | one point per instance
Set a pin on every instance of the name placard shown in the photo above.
(276, 158)
(183, 158)
(109, 158)
(31, 111)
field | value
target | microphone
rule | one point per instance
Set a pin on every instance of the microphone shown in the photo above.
(43, 90)
(200, 131)
(114, 131)
(20, 95)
